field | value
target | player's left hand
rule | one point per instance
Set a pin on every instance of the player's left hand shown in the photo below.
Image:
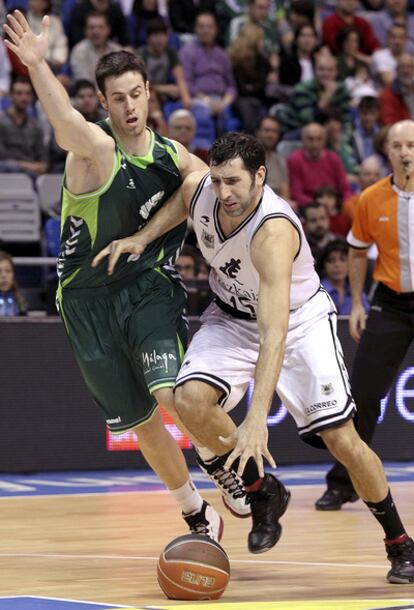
(251, 441)
(133, 245)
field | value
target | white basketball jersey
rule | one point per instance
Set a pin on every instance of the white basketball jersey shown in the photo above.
(233, 277)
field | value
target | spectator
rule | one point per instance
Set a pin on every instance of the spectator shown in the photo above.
(369, 173)
(317, 231)
(345, 16)
(332, 266)
(182, 127)
(312, 166)
(21, 136)
(360, 85)
(207, 67)
(331, 199)
(395, 11)
(58, 43)
(258, 13)
(186, 263)
(268, 132)
(85, 100)
(85, 54)
(296, 66)
(12, 302)
(384, 61)
(349, 59)
(183, 14)
(299, 13)
(109, 8)
(312, 99)
(338, 141)
(156, 118)
(253, 72)
(381, 150)
(366, 127)
(164, 69)
(143, 13)
(397, 100)
(5, 69)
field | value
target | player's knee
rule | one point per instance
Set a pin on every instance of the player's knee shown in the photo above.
(187, 404)
(345, 445)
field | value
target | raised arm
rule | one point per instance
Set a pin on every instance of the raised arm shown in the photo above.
(172, 213)
(273, 250)
(72, 131)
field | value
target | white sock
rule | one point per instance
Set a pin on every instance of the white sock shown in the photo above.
(205, 454)
(188, 498)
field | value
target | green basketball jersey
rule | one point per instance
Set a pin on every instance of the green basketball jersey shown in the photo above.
(137, 188)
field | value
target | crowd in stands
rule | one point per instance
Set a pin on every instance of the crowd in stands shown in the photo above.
(319, 83)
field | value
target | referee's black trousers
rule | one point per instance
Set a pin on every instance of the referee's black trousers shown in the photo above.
(384, 343)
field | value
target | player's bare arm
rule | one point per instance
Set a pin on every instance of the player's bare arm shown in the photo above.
(169, 216)
(273, 250)
(358, 263)
(73, 133)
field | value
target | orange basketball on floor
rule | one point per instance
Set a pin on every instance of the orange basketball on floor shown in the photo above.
(193, 567)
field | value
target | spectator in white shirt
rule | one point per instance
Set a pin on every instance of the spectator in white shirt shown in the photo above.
(384, 61)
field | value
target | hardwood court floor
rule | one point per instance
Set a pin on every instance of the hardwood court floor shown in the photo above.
(103, 548)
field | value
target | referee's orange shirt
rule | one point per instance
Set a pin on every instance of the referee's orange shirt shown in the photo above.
(384, 215)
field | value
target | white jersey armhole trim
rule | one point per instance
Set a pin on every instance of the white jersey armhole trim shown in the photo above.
(281, 215)
(197, 194)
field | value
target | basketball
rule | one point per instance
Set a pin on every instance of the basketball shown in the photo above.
(193, 567)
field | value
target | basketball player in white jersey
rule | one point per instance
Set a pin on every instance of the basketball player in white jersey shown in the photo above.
(271, 322)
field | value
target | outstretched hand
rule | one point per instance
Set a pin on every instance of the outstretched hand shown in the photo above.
(28, 47)
(133, 245)
(251, 441)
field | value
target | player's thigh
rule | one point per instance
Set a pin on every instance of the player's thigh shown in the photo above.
(117, 385)
(314, 384)
(223, 354)
(156, 328)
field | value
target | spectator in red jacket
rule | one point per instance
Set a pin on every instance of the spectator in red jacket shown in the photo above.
(314, 166)
(343, 17)
(397, 101)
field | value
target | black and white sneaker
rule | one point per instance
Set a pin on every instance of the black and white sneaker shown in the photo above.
(268, 504)
(206, 522)
(401, 556)
(231, 486)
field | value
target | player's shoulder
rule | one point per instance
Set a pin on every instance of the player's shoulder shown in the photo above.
(380, 188)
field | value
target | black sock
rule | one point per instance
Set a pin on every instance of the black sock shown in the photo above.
(387, 515)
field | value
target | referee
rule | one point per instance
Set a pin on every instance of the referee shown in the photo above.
(384, 215)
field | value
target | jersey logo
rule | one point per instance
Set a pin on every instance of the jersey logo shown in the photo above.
(327, 389)
(150, 204)
(70, 244)
(204, 220)
(232, 268)
(207, 239)
(131, 184)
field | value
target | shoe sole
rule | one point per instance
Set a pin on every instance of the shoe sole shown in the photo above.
(234, 513)
(285, 504)
(398, 580)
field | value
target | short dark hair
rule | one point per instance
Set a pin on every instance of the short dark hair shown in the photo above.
(23, 80)
(116, 64)
(328, 191)
(314, 205)
(268, 117)
(306, 8)
(336, 245)
(81, 84)
(368, 103)
(235, 144)
(156, 26)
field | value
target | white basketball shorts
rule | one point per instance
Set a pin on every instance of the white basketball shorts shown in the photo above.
(313, 383)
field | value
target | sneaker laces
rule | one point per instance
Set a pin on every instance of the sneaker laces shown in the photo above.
(229, 481)
(198, 524)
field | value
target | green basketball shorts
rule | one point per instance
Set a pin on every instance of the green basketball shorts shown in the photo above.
(129, 342)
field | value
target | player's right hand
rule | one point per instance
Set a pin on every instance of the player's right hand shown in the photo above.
(28, 47)
(357, 322)
(132, 245)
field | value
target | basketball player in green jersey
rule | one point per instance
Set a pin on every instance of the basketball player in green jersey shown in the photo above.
(128, 331)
